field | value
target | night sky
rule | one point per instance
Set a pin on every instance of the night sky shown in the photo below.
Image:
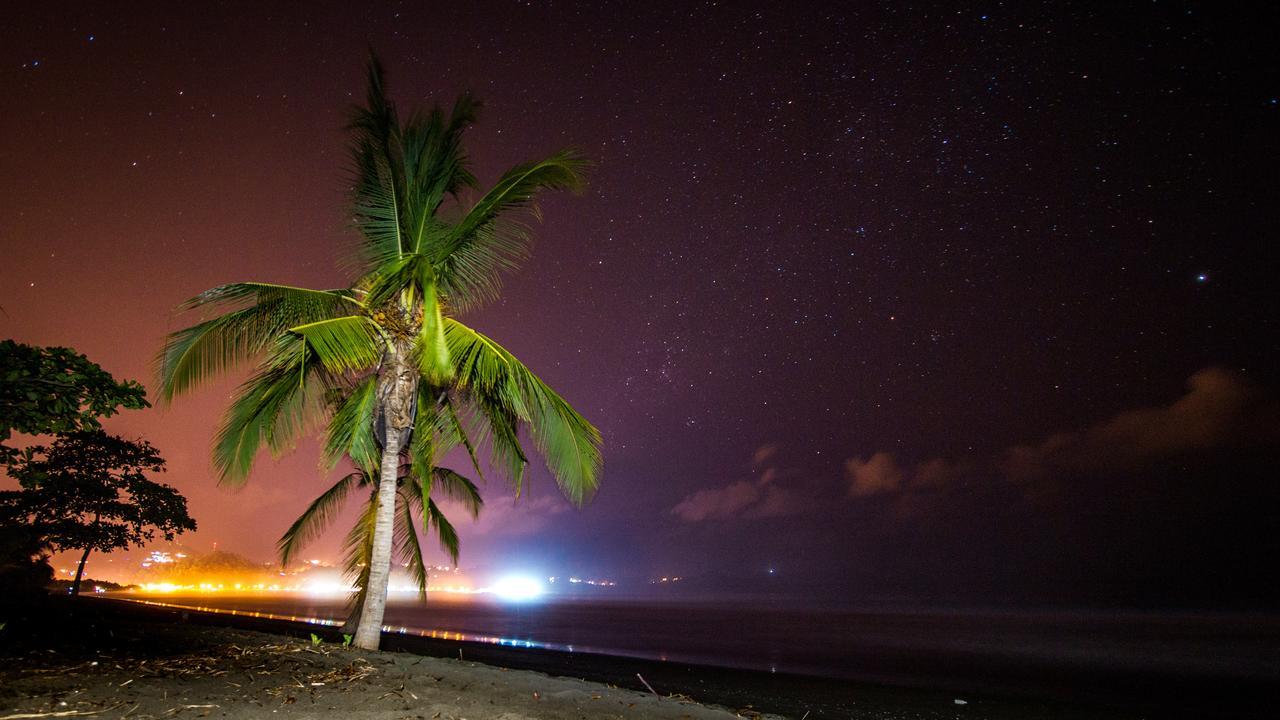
(950, 305)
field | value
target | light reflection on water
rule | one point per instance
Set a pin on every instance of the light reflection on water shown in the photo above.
(832, 643)
(330, 622)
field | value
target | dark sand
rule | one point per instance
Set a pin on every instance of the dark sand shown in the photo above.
(115, 659)
(139, 668)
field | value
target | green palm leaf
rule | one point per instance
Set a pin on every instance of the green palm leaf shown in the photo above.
(358, 546)
(456, 434)
(316, 517)
(377, 171)
(273, 406)
(350, 429)
(459, 488)
(407, 545)
(493, 236)
(434, 163)
(194, 355)
(444, 531)
(344, 344)
(567, 441)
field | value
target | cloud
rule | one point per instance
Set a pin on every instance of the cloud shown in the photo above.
(878, 474)
(1219, 410)
(763, 453)
(506, 516)
(759, 498)
(718, 503)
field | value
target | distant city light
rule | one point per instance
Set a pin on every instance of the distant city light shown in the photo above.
(517, 588)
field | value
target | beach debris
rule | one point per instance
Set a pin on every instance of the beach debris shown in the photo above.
(180, 708)
(958, 701)
(646, 684)
(60, 713)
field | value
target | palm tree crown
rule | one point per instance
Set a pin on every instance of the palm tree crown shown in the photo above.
(384, 365)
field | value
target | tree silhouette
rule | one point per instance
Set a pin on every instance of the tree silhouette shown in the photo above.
(89, 491)
(55, 390)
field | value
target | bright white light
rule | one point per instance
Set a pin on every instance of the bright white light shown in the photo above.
(326, 588)
(517, 588)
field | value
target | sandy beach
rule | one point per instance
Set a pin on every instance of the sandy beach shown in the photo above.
(137, 669)
(117, 659)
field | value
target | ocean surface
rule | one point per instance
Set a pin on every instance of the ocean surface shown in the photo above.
(1059, 653)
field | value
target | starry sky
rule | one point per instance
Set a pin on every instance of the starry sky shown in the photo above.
(920, 303)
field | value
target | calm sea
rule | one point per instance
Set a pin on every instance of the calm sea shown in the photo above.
(994, 651)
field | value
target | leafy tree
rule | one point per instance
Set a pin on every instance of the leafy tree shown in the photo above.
(24, 563)
(385, 364)
(45, 390)
(89, 491)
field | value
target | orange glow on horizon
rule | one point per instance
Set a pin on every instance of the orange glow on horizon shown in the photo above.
(313, 588)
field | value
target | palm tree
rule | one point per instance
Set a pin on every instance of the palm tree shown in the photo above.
(359, 541)
(384, 364)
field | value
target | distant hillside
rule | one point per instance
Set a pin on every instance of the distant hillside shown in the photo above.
(217, 566)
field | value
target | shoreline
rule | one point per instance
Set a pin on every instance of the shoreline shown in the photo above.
(747, 692)
(1011, 686)
(108, 660)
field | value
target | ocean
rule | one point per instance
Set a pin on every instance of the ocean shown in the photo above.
(1089, 656)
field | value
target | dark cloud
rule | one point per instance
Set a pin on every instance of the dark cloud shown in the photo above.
(762, 497)
(1219, 410)
(877, 474)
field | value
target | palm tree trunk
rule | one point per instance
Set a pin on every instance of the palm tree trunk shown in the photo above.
(396, 388)
(369, 633)
(75, 586)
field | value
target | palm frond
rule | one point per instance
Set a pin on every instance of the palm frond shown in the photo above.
(195, 354)
(389, 280)
(457, 434)
(481, 366)
(377, 170)
(273, 406)
(434, 163)
(493, 236)
(350, 431)
(344, 344)
(459, 488)
(499, 429)
(430, 352)
(444, 531)
(424, 446)
(316, 517)
(566, 440)
(302, 304)
(375, 210)
(407, 545)
(357, 547)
